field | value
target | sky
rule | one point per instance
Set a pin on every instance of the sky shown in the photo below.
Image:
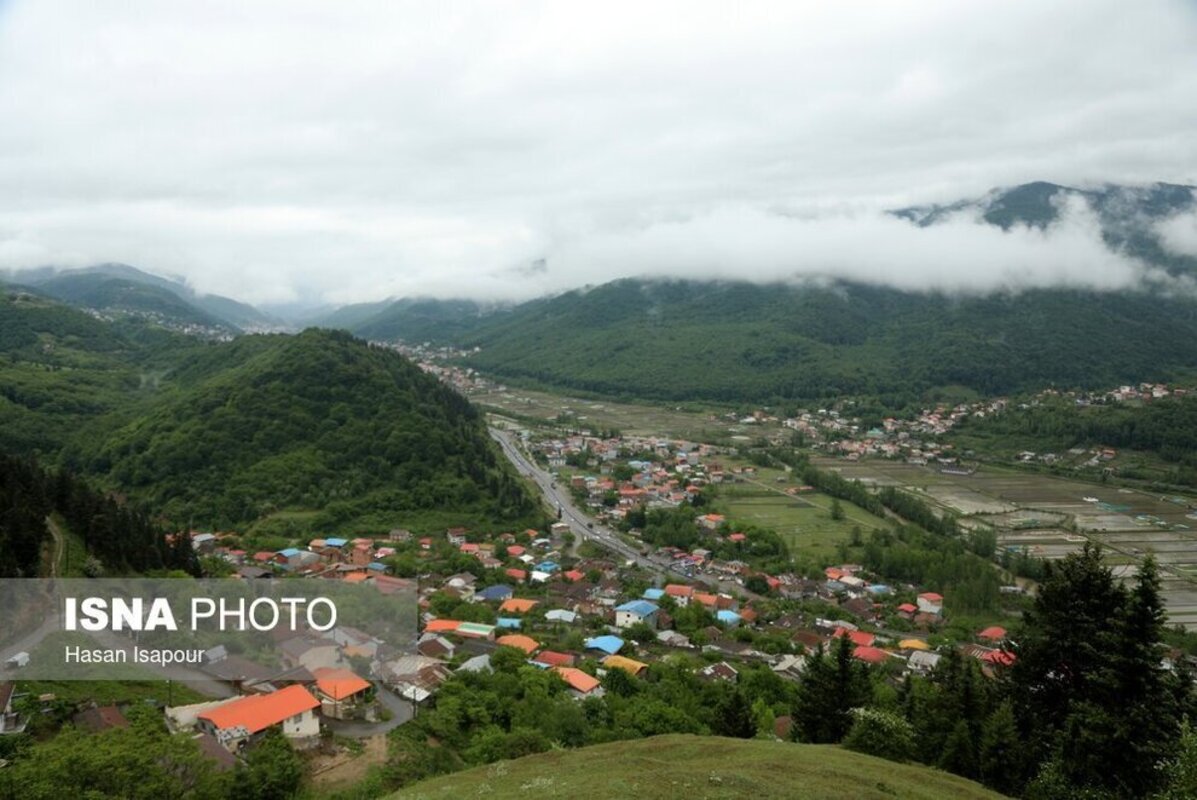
(283, 152)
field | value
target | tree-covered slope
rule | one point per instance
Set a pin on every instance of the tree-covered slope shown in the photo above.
(702, 766)
(743, 342)
(318, 421)
(417, 320)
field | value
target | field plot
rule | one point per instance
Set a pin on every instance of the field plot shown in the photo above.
(804, 522)
(1050, 517)
(634, 418)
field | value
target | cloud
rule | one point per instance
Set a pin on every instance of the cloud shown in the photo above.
(276, 151)
(1178, 234)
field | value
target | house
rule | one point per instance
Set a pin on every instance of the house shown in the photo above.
(680, 594)
(496, 593)
(635, 612)
(100, 718)
(870, 655)
(517, 605)
(923, 662)
(340, 691)
(729, 618)
(517, 575)
(520, 642)
(710, 522)
(994, 633)
(310, 652)
(673, 639)
(790, 666)
(244, 719)
(561, 615)
(509, 623)
(930, 603)
(581, 684)
(551, 658)
(435, 646)
(607, 644)
(719, 671)
(858, 638)
(907, 610)
(456, 536)
(628, 665)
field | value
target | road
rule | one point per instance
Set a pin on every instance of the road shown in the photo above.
(583, 527)
(401, 712)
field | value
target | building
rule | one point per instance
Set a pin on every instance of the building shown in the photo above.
(635, 612)
(341, 692)
(244, 719)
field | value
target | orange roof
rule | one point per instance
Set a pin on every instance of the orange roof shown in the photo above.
(257, 712)
(678, 590)
(518, 605)
(339, 683)
(518, 640)
(706, 599)
(992, 632)
(442, 625)
(630, 665)
(554, 659)
(518, 574)
(355, 577)
(577, 679)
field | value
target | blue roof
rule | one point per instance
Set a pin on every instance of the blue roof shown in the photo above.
(377, 565)
(654, 594)
(723, 615)
(497, 592)
(879, 588)
(608, 644)
(290, 551)
(548, 566)
(335, 542)
(640, 607)
(507, 622)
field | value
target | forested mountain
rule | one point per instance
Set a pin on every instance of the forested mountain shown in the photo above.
(119, 288)
(316, 421)
(421, 319)
(750, 342)
(224, 433)
(743, 342)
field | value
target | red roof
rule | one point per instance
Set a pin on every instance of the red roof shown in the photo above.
(518, 574)
(834, 573)
(932, 597)
(554, 659)
(442, 625)
(872, 655)
(908, 607)
(999, 657)
(737, 537)
(678, 590)
(993, 633)
(858, 638)
(515, 550)
(257, 712)
(574, 575)
(339, 683)
(577, 679)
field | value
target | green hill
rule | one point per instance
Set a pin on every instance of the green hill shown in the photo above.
(418, 320)
(680, 766)
(320, 422)
(748, 342)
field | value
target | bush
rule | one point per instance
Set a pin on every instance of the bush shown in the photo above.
(880, 733)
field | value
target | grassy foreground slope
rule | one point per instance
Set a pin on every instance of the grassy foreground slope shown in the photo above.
(691, 767)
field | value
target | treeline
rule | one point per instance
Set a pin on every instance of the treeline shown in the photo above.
(1086, 708)
(1166, 427)
(120, 537)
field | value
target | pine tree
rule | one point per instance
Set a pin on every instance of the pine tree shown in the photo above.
(1000, 752)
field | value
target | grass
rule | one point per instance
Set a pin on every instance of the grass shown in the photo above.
(803, 521)
(106, 692)
(691, 767)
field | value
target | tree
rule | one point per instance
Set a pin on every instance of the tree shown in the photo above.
(733, 716)
(831, 686)
(837, 509)
(1001, 751)
(272, 769)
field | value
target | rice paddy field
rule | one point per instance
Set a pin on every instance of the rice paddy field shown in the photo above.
(1050, 517)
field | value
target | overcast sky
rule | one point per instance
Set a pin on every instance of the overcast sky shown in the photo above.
(354, 151)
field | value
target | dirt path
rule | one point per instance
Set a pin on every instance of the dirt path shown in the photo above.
(343, 771)
(59, 546)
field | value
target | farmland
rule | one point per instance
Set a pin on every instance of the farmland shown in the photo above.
(1051, 517)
